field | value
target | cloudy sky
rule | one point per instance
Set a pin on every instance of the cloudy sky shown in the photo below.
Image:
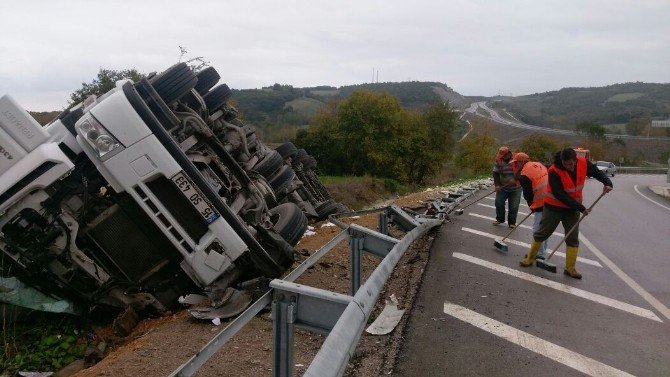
(48, 48)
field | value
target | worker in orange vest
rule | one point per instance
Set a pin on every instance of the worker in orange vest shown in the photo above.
(563, 203)
(532, 177)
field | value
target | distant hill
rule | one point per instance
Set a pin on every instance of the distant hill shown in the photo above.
(284, 104)
(565, 108)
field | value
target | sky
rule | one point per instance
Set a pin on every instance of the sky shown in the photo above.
(49, 48)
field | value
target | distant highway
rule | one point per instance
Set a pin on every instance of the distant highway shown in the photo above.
(494, 116)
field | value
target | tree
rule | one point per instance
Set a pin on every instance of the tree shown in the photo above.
(637, 126)
(104, 82)
(370, 133)
(540, 148)
(591, 130)
(476, 153)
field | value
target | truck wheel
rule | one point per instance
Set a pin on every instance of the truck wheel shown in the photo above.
(217, 97)
(308, 162)
(326, 208)
(207, 78)
(289, 222)
(282, 179)
(174, 82)
(269, 164)
(298, 156)
(286, 150)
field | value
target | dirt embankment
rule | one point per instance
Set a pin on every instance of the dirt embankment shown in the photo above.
(158, 346)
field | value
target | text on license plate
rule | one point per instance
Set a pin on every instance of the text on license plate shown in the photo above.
(194, 197)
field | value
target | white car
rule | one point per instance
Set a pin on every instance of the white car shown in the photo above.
(607, 167)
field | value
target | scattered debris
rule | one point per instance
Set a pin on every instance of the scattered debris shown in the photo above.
(124, 324)
(388, 318)
(216, 321)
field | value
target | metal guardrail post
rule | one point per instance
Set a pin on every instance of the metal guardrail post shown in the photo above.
(297, 305)
(362, 239)
(402, 218)
(355, 248)
(383, 223)
(283, 313)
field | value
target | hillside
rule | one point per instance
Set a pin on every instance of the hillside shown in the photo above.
(285, 104)
(613, 104)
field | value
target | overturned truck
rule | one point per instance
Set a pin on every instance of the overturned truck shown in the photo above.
(150, 191)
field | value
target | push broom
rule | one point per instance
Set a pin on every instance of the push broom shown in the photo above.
(500, 244)
(460, 210)
(544, 264)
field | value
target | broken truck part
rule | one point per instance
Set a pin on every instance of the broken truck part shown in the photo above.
(147, 192)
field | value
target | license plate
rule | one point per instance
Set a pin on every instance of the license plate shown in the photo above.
(194, 196)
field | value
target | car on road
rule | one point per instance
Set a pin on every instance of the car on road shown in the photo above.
(608, 167)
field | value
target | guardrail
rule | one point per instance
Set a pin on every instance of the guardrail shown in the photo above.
(640, 170)
(341, 317)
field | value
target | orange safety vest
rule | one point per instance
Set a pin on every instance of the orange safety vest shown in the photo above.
(537, 173)
(573, 189)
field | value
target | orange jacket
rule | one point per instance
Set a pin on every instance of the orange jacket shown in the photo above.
(537, 174)
(573, 189)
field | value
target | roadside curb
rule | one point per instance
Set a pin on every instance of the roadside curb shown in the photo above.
(663, 191)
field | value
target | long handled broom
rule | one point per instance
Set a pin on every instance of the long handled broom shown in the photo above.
(460, 210)
(500, 244)
(544, 264)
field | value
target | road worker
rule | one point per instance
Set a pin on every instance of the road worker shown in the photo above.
(563, 203)
(532, 177)
(507, 188)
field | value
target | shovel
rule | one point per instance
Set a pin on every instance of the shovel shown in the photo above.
(500, 244)
(544, 264)
(460, 210)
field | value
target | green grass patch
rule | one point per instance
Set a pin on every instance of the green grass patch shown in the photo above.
(43, 342)
(623, 97)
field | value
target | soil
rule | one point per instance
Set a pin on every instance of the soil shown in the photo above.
(157, 346)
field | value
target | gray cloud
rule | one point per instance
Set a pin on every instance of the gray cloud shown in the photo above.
(49, 48)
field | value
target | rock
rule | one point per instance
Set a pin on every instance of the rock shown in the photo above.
(71, 369)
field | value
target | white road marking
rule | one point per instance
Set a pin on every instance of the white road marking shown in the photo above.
(521, 204)
(490, 206)
(519, 225)
(527, 246)
(658, 305)
(533, 343)
(649, 199)
(645, 313)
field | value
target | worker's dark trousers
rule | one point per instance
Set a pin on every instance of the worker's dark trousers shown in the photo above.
(511, 195)
(550, 220)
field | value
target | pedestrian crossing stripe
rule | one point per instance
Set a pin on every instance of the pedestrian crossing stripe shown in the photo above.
(533, 343)
(519, 225)
(527, 246)
(616, 304)
(490, 206)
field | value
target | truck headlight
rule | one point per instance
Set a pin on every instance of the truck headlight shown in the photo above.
(98, 138)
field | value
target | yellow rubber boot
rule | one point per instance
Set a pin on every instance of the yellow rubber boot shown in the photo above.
(570, 261)
(530, 258)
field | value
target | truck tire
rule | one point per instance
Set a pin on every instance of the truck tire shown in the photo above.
(282, 179)
(308, 162)
(217, 97)
(289, 222)
(207, 78)
(298, 156)
(269, 164)
(174, 82)
(286, 150)
(326, 208)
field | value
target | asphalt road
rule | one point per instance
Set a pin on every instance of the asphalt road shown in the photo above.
(518, 124)
(479, 313)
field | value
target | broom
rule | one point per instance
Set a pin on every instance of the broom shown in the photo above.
(501, 245)
(544, 264)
